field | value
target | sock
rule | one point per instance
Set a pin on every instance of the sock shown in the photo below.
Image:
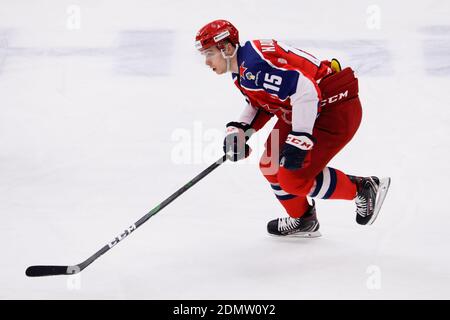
(333, 184)
(295, 206)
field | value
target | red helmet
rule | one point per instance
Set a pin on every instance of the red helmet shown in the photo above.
(214, 34)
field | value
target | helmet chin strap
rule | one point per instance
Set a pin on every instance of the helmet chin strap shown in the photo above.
(228, 58)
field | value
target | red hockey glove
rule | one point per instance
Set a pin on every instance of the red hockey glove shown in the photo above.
(235, 143)
(295, 149)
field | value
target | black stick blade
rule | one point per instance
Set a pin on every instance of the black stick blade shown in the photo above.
(42, 271)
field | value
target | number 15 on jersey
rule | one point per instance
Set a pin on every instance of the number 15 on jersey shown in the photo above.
(272, 82)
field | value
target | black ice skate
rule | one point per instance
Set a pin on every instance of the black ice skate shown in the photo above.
(306, 226)
(370, 194)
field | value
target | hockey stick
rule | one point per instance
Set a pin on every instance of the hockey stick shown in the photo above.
(40, 271)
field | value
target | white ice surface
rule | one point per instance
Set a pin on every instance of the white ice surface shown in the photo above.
(88, 120)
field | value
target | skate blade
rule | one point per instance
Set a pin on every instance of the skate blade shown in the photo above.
(313, 234)
(381, 195)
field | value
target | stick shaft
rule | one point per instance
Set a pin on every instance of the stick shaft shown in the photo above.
(155, 210)
(36, 271)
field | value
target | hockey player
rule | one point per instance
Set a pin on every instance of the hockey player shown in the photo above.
(318, 113)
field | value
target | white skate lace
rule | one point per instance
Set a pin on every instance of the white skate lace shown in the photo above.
(288, 223)
(361, 205)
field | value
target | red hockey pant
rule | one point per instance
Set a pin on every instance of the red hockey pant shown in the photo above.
(333, 129)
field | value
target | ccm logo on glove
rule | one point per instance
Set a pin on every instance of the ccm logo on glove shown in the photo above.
(301, 142)
(295, 149)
